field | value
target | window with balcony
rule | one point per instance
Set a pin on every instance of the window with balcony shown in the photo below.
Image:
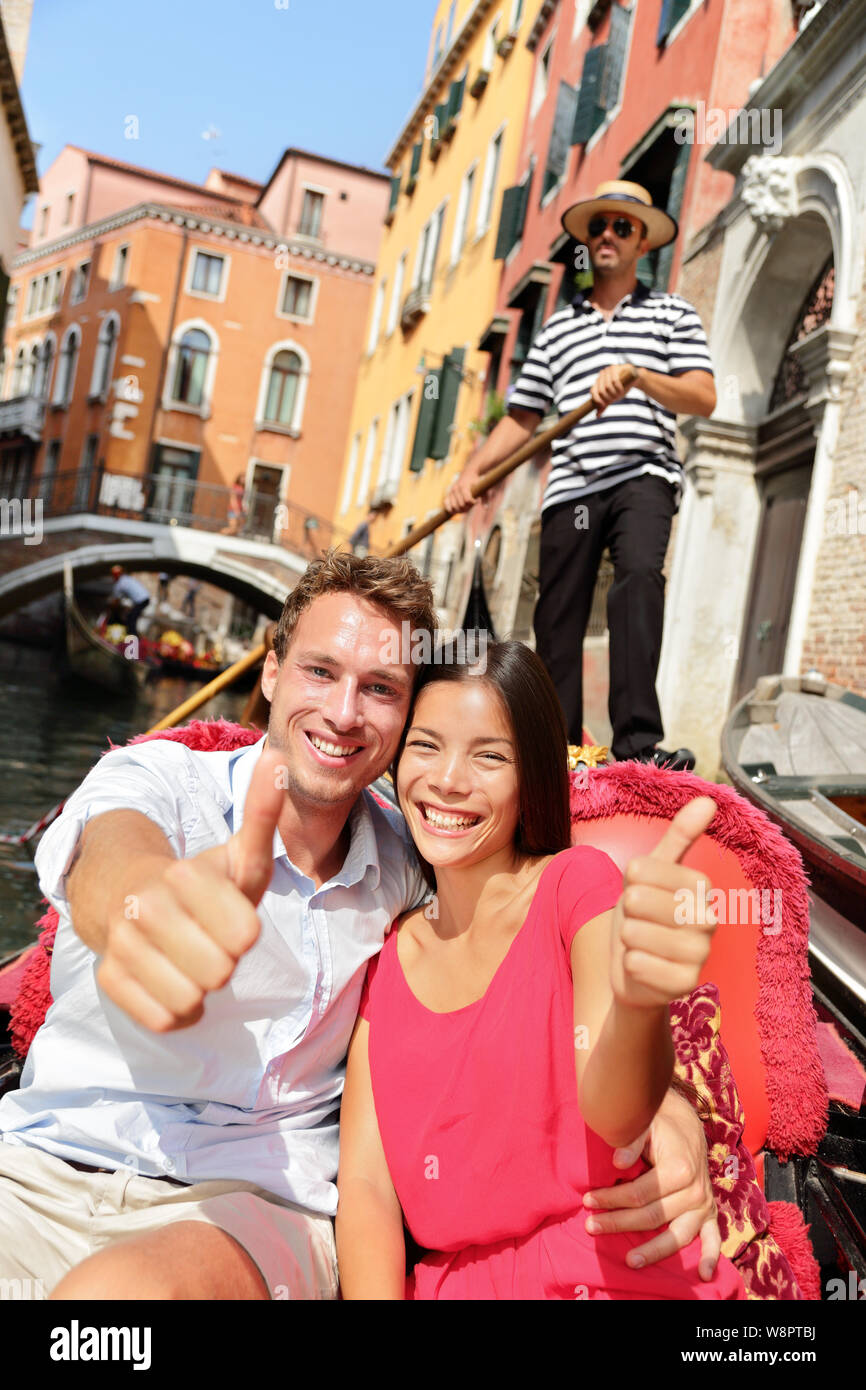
(311, 213)
(192, 359)
(19, 374)
(296, 301)
(80, 283)
(208, 272)
(282, 393)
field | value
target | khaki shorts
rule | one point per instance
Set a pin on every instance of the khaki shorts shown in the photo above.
(52, 1216)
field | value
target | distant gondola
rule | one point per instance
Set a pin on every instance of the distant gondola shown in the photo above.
(90, 657)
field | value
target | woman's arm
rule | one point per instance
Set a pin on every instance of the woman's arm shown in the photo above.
(625, 1064)
(627, 966)
(371, 1250)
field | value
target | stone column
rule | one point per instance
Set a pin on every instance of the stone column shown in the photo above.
(708, 586)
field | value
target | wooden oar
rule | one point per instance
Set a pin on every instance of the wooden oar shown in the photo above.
(213, 687)
(628, 374)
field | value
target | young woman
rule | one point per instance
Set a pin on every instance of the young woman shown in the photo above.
(514, 1030)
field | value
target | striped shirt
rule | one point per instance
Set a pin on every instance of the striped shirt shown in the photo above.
(635, 435)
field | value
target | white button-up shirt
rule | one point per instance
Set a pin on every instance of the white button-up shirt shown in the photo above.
(252, 1090)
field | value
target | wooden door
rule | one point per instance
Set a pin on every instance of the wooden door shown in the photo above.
(774, 574)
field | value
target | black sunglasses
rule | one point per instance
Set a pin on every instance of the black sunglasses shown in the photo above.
(621, 226)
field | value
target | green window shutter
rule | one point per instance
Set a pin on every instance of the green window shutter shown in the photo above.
(416, 159)
(560, 138)
(589, 114)
(506, 237)
(395, 192)
(674, 203)
(441, 120)
(511, 219)
(449, 387)
(617, 39)
(455, 99)
(426, 420)
(672, 13)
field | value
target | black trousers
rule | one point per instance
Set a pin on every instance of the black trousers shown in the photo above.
(633, 519)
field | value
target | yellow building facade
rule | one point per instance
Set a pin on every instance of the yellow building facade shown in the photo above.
(422, 377)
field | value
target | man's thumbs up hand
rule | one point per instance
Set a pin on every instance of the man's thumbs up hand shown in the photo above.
(662, 927)
(194, 918)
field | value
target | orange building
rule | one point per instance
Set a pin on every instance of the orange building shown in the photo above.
(179, 332)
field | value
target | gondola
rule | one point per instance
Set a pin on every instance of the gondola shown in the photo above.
(796, 747)
(90, 657)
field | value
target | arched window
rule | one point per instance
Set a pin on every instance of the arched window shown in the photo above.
(19, 374)
(32, 379)
(282, 393)
(42, 376)
(66, 367)
(190, 369)
(104, 359)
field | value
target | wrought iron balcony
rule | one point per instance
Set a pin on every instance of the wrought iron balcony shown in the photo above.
(23, 415)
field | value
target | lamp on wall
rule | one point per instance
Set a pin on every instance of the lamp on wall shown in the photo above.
(467, 375)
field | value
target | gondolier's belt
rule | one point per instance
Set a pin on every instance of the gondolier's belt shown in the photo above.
(88, 1168)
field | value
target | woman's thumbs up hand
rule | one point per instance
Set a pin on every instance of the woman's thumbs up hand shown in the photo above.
(662, 926)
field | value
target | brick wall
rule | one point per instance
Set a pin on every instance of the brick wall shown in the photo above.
(836, 631)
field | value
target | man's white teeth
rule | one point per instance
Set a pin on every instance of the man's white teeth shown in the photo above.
(448, 822)
(333, 750)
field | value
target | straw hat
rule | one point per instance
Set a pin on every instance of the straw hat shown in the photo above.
(617, 195)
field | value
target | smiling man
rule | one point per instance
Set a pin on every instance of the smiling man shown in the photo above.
(175, 1134)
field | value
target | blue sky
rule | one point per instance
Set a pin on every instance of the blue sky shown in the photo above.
(333, 76)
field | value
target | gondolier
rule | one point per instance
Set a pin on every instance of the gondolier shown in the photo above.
(130, 591)
(616, 479)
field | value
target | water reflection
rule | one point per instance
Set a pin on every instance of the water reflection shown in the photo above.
(52, 730)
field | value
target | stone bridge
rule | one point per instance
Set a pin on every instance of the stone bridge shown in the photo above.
(177, 534)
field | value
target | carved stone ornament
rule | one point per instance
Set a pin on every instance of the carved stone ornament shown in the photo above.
(770, 189)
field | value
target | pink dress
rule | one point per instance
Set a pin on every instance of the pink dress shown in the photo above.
(478, 1115)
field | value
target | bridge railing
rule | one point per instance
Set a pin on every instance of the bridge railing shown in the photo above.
(181, 501)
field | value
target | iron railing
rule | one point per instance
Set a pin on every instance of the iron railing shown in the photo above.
(180, 501)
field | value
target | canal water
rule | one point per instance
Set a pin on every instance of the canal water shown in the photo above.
(52, 731)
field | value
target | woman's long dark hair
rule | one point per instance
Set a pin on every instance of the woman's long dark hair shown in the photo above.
(538, 727)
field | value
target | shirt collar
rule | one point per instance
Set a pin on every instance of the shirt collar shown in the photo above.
(363, 852)
(640, 291)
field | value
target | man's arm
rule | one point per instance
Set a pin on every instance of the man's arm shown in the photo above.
(170, 930)
(510, 433)
(688, 393)
(675, 1194)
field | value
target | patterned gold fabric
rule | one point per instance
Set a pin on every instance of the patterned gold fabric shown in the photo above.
(743, 1212)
